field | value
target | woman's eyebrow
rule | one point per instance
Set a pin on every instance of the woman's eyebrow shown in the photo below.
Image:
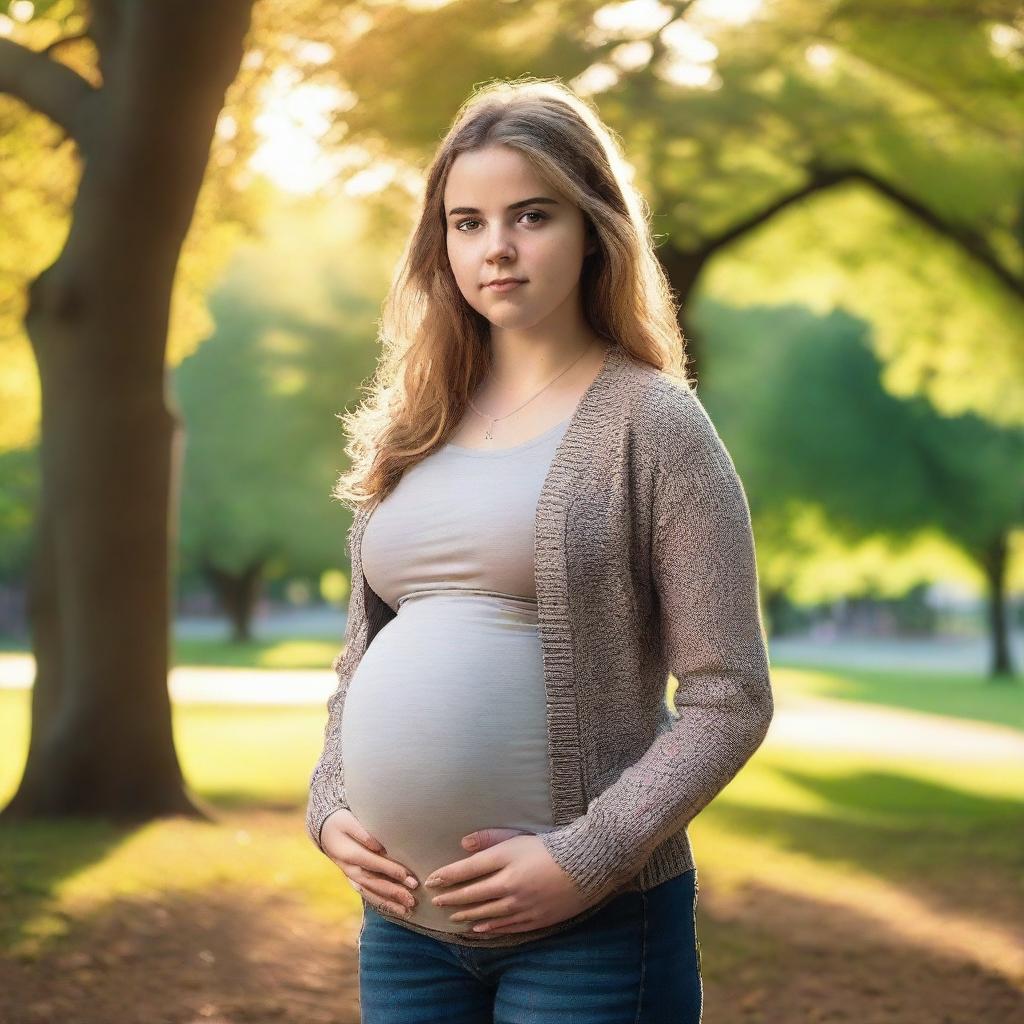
(511, 206)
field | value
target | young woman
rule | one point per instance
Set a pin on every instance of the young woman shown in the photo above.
(546, 524)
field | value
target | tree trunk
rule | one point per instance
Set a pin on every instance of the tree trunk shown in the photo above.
(774, 606)
(683, 269)
(99, 590)
(237, 594)
(994, 564)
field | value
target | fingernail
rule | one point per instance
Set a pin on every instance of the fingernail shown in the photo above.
(431, 881)
(411, 881)
(470, 844)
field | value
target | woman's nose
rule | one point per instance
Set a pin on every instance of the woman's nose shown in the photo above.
(499, 247)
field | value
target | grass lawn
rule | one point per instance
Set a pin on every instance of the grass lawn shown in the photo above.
(820, 875)
(304, 652)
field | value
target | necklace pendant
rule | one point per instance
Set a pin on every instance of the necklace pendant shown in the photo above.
(488, 436)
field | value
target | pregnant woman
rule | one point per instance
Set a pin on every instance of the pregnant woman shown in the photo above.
(546, 526)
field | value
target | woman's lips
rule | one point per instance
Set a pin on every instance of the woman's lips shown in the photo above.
(505, 286)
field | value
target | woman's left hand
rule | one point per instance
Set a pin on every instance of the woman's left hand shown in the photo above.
(524, 889)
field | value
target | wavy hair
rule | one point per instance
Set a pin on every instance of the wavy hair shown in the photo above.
(436, 346)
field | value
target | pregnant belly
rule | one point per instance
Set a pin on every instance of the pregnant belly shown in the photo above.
(444, 732)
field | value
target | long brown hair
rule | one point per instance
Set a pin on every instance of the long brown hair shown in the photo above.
(436, 347)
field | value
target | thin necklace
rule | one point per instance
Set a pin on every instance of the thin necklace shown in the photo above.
(488, 436)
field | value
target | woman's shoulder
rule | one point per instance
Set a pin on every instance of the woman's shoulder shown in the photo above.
(668, 421)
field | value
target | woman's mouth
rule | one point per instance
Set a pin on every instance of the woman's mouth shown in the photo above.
(504, 286)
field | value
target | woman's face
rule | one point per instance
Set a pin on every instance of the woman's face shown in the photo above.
(504, 220)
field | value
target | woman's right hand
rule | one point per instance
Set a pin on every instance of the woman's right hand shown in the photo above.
(365, 863)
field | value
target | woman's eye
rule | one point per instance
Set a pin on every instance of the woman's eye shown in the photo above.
(527, 213)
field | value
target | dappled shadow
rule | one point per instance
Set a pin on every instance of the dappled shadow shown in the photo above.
(926, 838)
(37, 855)
(772, 957)
(231, 954)
(240, 954)
(237, 953)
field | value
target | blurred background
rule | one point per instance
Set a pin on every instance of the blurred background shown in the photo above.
(201, 207)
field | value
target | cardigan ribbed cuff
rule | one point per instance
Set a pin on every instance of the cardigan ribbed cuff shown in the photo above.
(595, 852)
(324, 800)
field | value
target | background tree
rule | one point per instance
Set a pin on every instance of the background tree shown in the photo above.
(97, 317)
(813, 427)
(294, 320)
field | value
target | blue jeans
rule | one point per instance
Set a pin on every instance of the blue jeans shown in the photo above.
(634, 961)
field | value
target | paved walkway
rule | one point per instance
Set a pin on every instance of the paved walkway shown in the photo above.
(818, 723)
(800, 721)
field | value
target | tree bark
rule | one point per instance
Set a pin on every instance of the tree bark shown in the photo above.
(683, 269)
(994, 560)
(99, 590)
(237, 594)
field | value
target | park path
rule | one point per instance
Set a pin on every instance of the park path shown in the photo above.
(800, 721)
(821, 723)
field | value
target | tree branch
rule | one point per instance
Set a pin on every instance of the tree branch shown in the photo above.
(970, 241)
(45, 85)
(821, 178)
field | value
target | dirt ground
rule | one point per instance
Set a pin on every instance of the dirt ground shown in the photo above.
(246, 957)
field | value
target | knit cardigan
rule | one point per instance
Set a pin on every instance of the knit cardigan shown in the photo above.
(644, 566)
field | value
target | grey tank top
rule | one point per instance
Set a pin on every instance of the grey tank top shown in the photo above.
(444, 728)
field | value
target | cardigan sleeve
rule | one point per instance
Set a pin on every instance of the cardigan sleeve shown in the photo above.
(327, 783)
(705, 580)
